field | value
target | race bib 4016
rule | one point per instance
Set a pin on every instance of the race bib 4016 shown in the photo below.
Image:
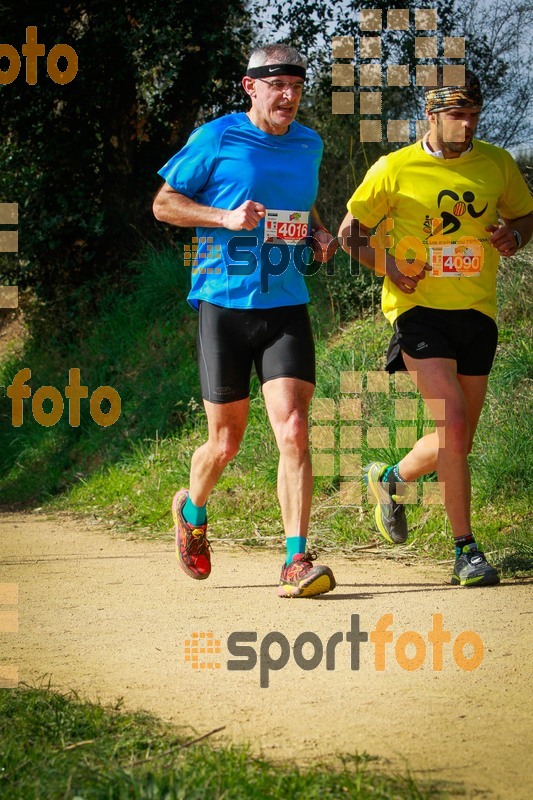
(289, 227)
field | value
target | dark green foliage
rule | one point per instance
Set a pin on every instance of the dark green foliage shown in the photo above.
(81, 159)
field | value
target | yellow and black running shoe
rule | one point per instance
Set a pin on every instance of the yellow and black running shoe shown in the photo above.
(390, 512)
(472, 569)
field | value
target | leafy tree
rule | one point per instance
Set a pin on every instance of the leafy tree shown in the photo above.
(490, 51)
(499, 35)
(81, 158)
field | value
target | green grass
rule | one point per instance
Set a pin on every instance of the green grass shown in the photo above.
(57, 747)
(143, 345)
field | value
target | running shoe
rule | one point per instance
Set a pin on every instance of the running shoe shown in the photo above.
(302, 578)
(389, 513)
(192, 546)
(472, 569)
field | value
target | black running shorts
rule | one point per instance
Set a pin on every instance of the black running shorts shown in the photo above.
(278, 341)
(467, 336)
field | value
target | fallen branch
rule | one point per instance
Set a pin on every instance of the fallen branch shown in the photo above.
(78, 744)
(176, 749)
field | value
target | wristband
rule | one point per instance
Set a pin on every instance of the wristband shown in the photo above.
(318, 228)
(518, 237)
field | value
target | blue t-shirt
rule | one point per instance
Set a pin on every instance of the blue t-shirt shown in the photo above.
(224, 163)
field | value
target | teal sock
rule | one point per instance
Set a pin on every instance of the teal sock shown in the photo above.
(461, 542)
(392, 475)
(194, 515)
(295, 544)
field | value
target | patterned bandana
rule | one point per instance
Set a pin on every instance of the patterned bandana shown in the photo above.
(453, 97)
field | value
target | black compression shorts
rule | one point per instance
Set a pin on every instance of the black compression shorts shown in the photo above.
(278, 341)
(467, 336)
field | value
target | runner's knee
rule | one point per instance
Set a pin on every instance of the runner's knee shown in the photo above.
(225, 447)
(457, 434)
(292, 433)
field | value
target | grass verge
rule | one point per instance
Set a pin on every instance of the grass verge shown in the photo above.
(144, 345)
(56, 746)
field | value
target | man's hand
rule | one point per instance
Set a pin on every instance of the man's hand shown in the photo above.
(244, 218)
(406, 283)
(503, 239)
(324, 245)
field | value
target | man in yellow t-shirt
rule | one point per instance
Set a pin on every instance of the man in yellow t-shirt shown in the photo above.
(437, 205)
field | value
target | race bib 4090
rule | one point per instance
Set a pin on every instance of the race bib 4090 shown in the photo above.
(462, 259)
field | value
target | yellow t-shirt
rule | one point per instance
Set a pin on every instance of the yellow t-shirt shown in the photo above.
(464, 195)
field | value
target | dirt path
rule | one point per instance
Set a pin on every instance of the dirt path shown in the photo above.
(110, 619)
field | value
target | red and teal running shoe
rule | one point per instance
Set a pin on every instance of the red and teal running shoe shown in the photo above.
(302, 578)
(192, 546)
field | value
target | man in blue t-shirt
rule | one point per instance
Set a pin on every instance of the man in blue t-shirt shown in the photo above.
(248, 182)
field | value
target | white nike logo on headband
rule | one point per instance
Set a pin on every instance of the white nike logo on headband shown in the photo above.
(274, 69)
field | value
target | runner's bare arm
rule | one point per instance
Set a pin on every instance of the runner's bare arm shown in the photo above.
(355, 240)
(324, 244)
(178, 209)
(503, 238)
